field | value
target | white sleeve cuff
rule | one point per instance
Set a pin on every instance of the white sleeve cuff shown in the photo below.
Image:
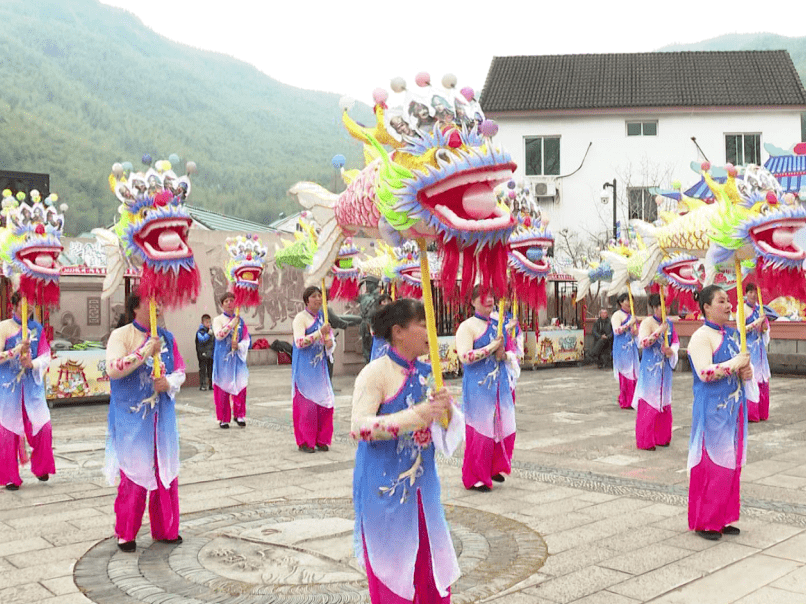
(175, 381)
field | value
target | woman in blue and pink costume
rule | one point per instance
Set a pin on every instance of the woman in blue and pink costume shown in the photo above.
(487, 397)
(653, 392)
(312, 402)
(142, 442)
(400, 530)
(230, 372)
(717, 448)
(23, 407)
(625, 351)
(379, 345)
(758, 338)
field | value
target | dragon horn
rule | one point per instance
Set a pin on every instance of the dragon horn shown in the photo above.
(379, 132)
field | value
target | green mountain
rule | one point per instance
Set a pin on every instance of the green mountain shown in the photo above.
(760, 41)
(85, 85)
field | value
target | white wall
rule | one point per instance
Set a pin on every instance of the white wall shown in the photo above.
(641, 160)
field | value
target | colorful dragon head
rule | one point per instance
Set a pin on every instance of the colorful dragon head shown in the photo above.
(679, 272)
(346, 272)
(153, 229)
(30, 245)
(527, 252)
(408, 271)
(757, 220)
(440, 179)
(247, 257)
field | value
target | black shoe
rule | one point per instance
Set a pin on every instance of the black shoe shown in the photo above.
(306, 449)
(710, 535)
(323, 447)
(12, 487)
(649, 449)
(499, 478)
(176, 541)
(223, 425)
(666, 445)
(44, 477)
(730, 530)
(241, 422)
(128, 546)
(481, 488)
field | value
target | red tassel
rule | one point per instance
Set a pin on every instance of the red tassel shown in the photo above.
(775, 282)
(449, 256)
(39, 292)
(683, 297)
(407, 290)
(468, 271)
(247, 297)
(335, 290)
(530, 291)
(172, 288)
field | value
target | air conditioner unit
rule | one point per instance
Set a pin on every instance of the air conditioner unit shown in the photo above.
(544, 186)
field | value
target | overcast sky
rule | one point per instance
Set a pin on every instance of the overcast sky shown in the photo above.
(354, 47)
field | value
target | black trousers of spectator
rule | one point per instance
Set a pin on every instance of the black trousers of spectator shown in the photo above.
(206, 373)
(602, 348)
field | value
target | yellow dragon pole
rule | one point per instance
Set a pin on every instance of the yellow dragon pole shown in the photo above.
(152, 315)
(431, 322)
(740, 305)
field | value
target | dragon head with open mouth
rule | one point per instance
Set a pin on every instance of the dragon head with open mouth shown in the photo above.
(528, 258)
(408, 270)
(437, 183)
(761, 221)
(680, 273)
(346, 272)
(30, 245)
(247, 257)
(152, 231)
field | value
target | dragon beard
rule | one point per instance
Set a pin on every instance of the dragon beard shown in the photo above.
(172, 288)
(530, 290)
(344, 289)
(489, 265)
(40, 291)
(246, 296)
(780, 281)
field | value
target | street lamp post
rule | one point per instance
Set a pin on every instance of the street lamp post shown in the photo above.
(615, 213)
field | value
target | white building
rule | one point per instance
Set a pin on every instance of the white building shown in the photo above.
(575, 122)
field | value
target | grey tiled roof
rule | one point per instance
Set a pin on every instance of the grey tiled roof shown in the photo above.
(219, 222)
(657, 79)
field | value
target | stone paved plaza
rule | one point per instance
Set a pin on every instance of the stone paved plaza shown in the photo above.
(585, 517)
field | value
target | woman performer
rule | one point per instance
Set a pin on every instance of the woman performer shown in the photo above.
(379, 345)
(312, 402)
(142, 443)
(718, 442)
(486, 397)
(400, 529)
(625, 351)
(758, 337)
(653, 392)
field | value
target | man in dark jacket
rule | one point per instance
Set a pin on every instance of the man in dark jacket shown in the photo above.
(205, 343)
(602, 338)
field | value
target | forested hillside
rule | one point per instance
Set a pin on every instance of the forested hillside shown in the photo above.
(85, 85)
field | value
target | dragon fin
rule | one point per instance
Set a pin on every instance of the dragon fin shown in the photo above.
(328, 243)
(317, 199)
(115, 261)
(583, 282)
(620, 274)
(648, 233)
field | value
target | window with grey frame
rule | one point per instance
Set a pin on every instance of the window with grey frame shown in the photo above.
(642, 128)
(743, 149)
(542, 155)
(642, 204)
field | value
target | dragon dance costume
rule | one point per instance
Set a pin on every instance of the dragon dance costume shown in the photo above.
(230, 373)
(400, 528)
(379, 348)
(653, 392)
(489, 408)
(757, 341)
(625, 358)
(142, 440)
(717, 448)
(23, 406)
(312, 391)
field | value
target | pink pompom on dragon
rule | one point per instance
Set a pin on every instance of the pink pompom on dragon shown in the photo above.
(30, 245)
(152, 233)
(247, 258)
(437, 183)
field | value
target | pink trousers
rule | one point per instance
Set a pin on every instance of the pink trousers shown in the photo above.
(713, 492)
(163, 509)
(425, 588)
(652, 427)
(222, 404)
(12, 449)
(484, 457)
(759, 411)
(313, 424)
(626, 390)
